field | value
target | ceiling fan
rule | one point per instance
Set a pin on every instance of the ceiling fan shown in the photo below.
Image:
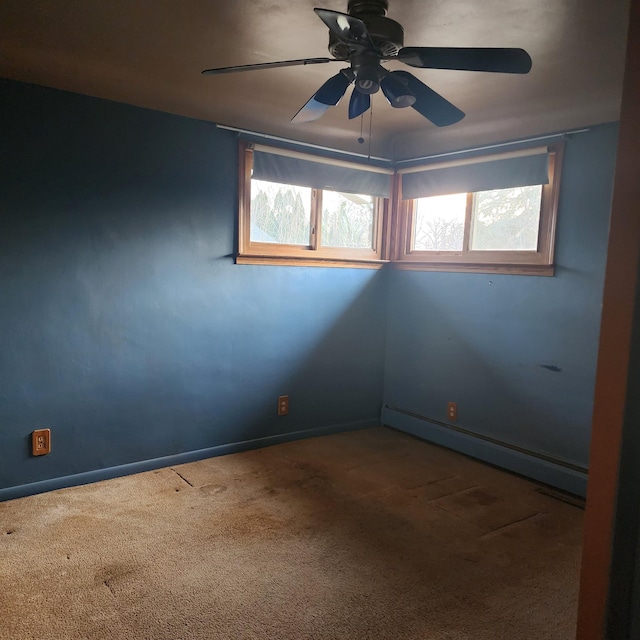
(367, 39)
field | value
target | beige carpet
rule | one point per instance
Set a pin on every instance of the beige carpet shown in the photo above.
(370, 534)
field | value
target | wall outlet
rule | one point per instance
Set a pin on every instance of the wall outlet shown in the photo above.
(452, 411)
(41, 442)
(283, 405)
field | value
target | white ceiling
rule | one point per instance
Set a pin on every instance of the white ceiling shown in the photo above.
(150, 54)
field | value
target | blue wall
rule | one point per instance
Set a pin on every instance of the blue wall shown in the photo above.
(492, 343)
(126, 328)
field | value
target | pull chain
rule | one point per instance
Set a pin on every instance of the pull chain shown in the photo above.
(370, 128)
(361, 139)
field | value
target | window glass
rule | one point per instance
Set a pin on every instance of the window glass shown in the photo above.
(506, 219)
(439, 223)
(280, 213)
(506, 230)
(505, 223)
(347, 220)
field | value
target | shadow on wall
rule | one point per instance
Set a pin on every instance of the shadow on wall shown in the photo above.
(517, 353)
(134, 352)
(508, 350)
(205, 376)
(124, 325)
(328, 349)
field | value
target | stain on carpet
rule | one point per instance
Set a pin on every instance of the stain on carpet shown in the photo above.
(363, 535)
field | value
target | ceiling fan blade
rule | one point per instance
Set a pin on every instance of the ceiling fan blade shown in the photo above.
(334, 88)
(467, 59)
(328, 95)
(310, 111)
(428, 103)
(358, 104)
(267, 65)
(346, 28)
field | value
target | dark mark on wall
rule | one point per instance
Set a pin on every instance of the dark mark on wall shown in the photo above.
(551, 367)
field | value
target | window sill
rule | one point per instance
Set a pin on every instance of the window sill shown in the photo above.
(296, 261)
(511, 269)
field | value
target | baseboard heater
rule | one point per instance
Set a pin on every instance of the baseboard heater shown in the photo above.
(533, 464)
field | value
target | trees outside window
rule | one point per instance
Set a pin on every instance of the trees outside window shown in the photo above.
(288, 224)
(510, 230)
(503, 230)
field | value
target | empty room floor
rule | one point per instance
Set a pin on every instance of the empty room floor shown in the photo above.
(366, 534)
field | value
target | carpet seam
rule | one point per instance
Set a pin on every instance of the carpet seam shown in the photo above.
(510, 524)
(183, 478)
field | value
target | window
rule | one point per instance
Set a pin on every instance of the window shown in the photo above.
(491, 213)
(299, 209)
(495, 213)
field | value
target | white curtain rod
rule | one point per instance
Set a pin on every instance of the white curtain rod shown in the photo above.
(322, 160)
(397, 163)
(297, 143)
(488, 147)
(447, 164)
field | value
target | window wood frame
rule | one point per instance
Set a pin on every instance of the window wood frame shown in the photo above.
(539, 262)
(251, 252)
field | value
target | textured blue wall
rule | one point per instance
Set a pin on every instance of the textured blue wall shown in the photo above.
(125, 327)
(492, 343)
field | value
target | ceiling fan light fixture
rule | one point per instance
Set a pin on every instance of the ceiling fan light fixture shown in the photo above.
(397, 93)
(367, 80)
(365, 38)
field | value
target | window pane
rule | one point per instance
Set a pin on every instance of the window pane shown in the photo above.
(347, 220)
(280, 213)
(439, 223)
(506, 219)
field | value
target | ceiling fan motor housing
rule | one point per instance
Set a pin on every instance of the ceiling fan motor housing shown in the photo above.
(358, 7)
(387, 34)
